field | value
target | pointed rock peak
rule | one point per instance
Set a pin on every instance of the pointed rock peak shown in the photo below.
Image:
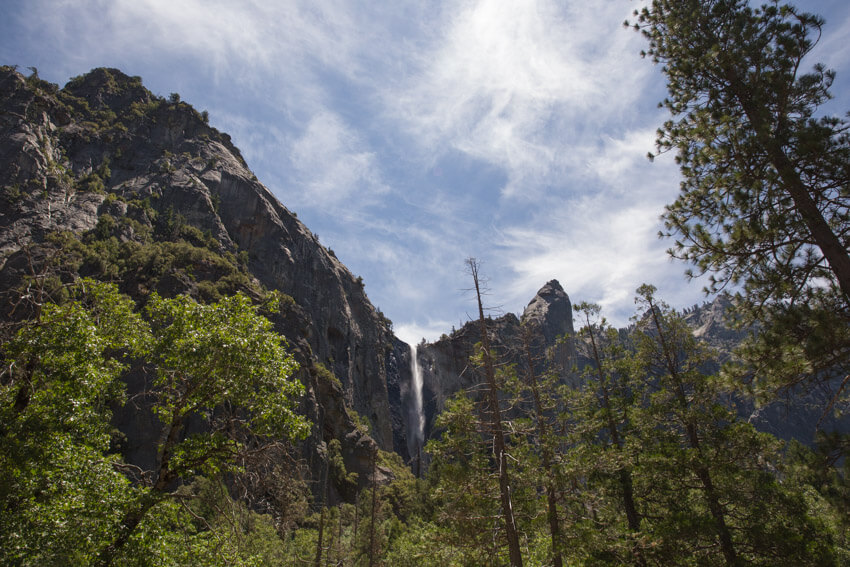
(550, 293)
(551, 310)
(552, 289)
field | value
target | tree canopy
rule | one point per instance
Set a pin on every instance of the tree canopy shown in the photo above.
(764, 205)
(765, 191)
(222, 386)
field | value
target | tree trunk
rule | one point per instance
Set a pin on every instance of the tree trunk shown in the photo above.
(825, 238)
(700, 469)
(546, 454)
(498, 434)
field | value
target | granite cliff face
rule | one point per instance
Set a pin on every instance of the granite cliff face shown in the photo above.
(445, 363)
(104, 158)
(95, 174)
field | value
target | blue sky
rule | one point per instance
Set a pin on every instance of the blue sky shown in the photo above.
(412, 135)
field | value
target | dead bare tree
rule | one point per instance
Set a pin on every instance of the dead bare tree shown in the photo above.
(496, 425)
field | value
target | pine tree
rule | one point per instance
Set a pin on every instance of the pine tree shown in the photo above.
(547, 444)
(764, 201)
(463, 486)
(710, 480)
(602, 406)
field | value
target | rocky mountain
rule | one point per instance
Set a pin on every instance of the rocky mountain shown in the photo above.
(445, 363)
(103, 178)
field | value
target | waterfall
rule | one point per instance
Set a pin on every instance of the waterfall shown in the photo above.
(417, 413)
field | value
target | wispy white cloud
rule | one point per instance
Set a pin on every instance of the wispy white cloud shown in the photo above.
(334, 165)
(274, 52)
(519, 84)
(601, 244)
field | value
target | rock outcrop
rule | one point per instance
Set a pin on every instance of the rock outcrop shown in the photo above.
(103, 157)
(446, 363)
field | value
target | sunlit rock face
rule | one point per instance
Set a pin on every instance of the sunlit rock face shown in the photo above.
(104, 145)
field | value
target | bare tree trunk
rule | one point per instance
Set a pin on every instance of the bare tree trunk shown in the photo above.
(498, 434)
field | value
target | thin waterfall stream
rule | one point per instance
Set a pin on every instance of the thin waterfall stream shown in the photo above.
(417, 414)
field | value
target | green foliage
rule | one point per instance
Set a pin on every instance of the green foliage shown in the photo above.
(194, 258)
(763, 202)
(464, 491)
(360, 421)
(64, 497)
(148, 109)
(715, 472)
(322, 373)
(208, 357)
(336, 465)
(58, 488)
(11, 194)
(649, 462)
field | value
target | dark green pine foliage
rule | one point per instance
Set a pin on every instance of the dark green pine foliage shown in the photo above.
(711, 483)
(823, 477)
(464, 489)
(765, 195)
(542, 440)
(602, 446)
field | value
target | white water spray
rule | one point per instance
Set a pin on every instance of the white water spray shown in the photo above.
(417, 417)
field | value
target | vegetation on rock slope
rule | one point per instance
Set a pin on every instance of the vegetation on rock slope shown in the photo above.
(642, 461)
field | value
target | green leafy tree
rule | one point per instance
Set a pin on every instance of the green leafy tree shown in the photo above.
(59, 489)
(221, 389)
(764, 200)
(224, 366)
